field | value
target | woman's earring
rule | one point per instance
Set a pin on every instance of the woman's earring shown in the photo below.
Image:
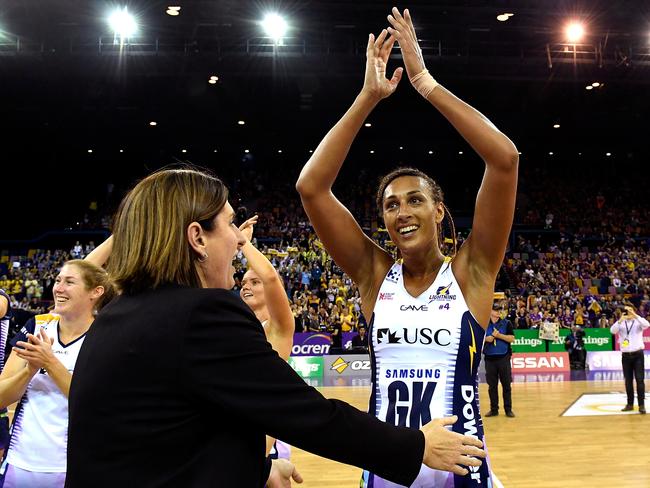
(203, 258)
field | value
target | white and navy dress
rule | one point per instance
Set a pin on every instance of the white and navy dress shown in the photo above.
(39, 432)
(425, 355)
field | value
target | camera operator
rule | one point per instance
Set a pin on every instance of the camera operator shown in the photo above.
(574, 344)
(629, 328)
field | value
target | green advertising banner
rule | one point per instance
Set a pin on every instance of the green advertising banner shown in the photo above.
(595, 340)
(307, 366)
(528, 341)
(559, 345)
(598, 340)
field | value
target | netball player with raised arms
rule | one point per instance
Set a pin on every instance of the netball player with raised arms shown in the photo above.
(263, 291)
(427, 312)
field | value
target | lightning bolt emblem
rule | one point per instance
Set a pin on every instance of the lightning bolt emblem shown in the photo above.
(472, 347)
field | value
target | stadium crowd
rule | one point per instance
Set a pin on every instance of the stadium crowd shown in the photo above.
(577, 252)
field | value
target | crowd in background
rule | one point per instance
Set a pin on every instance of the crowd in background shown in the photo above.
(574, 256)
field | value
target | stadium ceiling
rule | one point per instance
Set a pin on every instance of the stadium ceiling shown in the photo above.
(65, 78)
(86, 102)
(327, 38)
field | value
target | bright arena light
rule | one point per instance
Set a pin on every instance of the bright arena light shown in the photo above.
(504, 17)
(275, 26)
(574, 32)
(556, 126)
(173, 10)
(123, 23)
(595, 84)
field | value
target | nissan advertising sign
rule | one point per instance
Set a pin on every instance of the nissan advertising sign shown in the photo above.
(540, 362)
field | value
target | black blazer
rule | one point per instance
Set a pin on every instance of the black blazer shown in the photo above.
(176, 388)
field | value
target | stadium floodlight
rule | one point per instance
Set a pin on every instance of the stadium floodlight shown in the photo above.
(275, 26)
(123, 23)
(504, 17)
(595, 84)
(173, 10)
(556, 126)
(574, 32)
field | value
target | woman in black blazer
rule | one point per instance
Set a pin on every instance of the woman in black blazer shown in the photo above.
(176, 385)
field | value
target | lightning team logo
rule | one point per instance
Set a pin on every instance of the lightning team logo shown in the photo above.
(443, 290)
(442, 294)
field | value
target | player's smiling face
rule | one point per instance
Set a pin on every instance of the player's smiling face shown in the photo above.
(252, 291)
(410, 213)
(70, 293)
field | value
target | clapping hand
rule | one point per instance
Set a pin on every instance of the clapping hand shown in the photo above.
(375, 83)
(37, 351)
(402, 29)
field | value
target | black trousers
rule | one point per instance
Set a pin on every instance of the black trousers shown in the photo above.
(633, 367)
(499, 370)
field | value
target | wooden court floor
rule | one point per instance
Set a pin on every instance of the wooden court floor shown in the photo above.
(538, 448)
